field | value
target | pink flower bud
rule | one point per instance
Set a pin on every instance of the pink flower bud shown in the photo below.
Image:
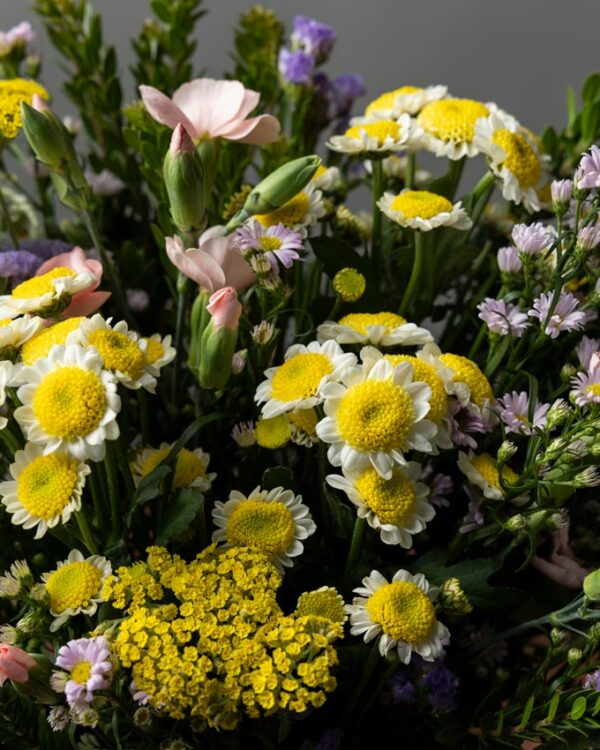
(41, 105)
(180, 141)
(225, 308)
(14, 664)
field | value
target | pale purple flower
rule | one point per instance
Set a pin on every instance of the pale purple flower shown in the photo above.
(93, 656)
(402, 689)
(20, 34)
(592, 681)
(104, 183)
(462, 423)
(588, 171)
(439, 487)
(137, 299)
(588, 237)
(562, 191)
(243, 434)
(507, 320)
(474, 517)
(514, 412)
(565, 316)
(278, 243)
(18, 265)
(585, 350)
(345, 89)
(532, 239)
(296, 66)
(586, 388)
(508, 260)
(313, 37)
(139, 696)
(442, 687)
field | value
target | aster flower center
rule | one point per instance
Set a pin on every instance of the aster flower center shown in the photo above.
(375, 415)
(268, 527)
(154, 350)
(81, 672)
(269, 244)
(73, 585)
(594, 389)
(403, 611)
(420, 204)
(326, 603)
(39, 345)
(189, 467)
(520, 158)
(40, 285)
(426, 373)
(380, 130)
(467, 372)
(388, 100)
(46, 485)
(69, 403)
(452, 119)
(300, 376)
(361, 321)
(289, 214)
(392, 500)
(487, 468)
(118, 352)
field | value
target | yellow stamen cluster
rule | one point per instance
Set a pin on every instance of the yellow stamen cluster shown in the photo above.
(452, 119)
(486, 466)
(388, 100)
(305, 420)
(81, 672)
(299, 376)
(273, 433)
(222, 648)
(349, 284)
(154, 350)
(73, 585)
(466, 371)
(188, 468)
(13, 91)
(594, 389)
(521, 159)
(292, 212)
(413, 204)
(403, 611)
(46, 485)
(426, 373)
(39, 345)
(118, 352)
(380, 130)
(392, 500)
(267, 527)
(325, 602)
(361, 321)
(37, 286)
(269, 244)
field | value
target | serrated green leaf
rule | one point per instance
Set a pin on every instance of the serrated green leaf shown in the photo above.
(179, 513)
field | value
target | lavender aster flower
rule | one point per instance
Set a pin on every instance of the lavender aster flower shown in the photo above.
(588, 171)
(562, 191)
(585, 350)
(474, 517)
(295, 67)
(440, 486)
(88, 662)
(462, 422)
(442, 686)
(345, 89)
(588, 237)
(586, 388)
(592, 681)
(139, 696)
(508, 260)
(402, 689)
(507, 320)
(313, 37)
(278, 243)
(532, 239)
(514, 412)
(565, 316)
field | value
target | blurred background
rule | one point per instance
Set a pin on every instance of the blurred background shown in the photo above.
(522, 54)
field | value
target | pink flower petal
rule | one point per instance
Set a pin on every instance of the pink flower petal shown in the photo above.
(256, 131)
(85, 303)
(249, 103)
(209, 104)
(165, 110)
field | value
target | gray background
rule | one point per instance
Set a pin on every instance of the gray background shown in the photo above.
(522, 54)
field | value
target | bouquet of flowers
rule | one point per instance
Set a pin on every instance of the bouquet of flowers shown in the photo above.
(279, 471)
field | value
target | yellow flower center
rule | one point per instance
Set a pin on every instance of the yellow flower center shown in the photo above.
(426, 373)
(487, 468)
(403, 612)
(375, 415)
(69, 403)
(46, 485)
(292, 212)
(594, 389)
(269, 244)
(466, 371)
(299, 376)
(420, 203)
(388, 100)
(381, 130)
(5, 322)
(268, 527)
(188, 468)
(73, 586)
(81, 672)
(118, 352)
(305, 420)
(325, 603)
(349, 284)
(273, 433)
(39, 345)
(452, 119)
(13, 91)
(361, 321)
(520, 159)
(154, 350)
(392, 500)
(37, 286)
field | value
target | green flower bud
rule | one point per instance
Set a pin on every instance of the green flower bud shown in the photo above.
(453, 599)
(219, 339)
(594, 632)
(199, 319)
(184, 179)
(46, 134)
(506, 451)
(591, 585)
(516, 523)
(574, 656)
(557, 636)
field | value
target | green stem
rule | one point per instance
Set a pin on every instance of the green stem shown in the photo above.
(415, 275)
(9, 441)
(356, 545)
(86, 532)
(377, 167)
(112, 477)
(372, 662)
(95, 485)
(409, 170)
(9, 226)
(183, 288)
(481, 195)
(455, 173)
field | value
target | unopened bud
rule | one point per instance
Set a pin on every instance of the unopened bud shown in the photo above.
(594, 632)
(218, 341)
(566, 372)
(274, 432)
(453, 599)
(46, 134)
(591, 585)
(184, 180)
(516, 523)
(557, 636)
(238, 361)
(349, 284)
(557, 414)
(506, 451)
(574, 656)
(561, 191)
(142, 717)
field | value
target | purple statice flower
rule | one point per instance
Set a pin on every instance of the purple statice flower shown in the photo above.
(313, 37)
(562, 191)
(588, 171)
(462, 422)
(514, 412)
(507, 320)
(586, 387)
(474, 517)
(442, 686)
(585, 350)
(18, 265)
(402, 689)
(592, 681)
(345, 89)
(508, 260)
(296, 66)
(278, 243)
(88, 662)
(588, 237)
(532, 239)
(565, 316)
(331, 739)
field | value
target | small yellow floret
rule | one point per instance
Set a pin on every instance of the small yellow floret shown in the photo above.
(349, 284)
(305, 420)
(81, 672)
(392, 500)
(39, 345)
(37, 286)
(403, 611)
(73, 586)
(422, 204)
(46, 485)
(452, 119)
(291, 213)
(154, 350)
(299, 377)
(325, 603)
(594, 389)
(269, 244)
(267, 527)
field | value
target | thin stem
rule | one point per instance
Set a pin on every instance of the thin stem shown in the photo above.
(372, 662)
(86, 532)
(356, 545)
(377, 167)
(112, 476)
(481, 195)
(183, 287)
(9, 226)
(410, 170)
(415, 275)
(455, 172)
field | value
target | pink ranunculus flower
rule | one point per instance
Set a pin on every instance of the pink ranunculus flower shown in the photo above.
(213, 109)
(225, 308)
(88, 300)
(14, 664)
(214, 264)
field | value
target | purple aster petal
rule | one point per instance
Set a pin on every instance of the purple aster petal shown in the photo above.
(588, 171)
(586, 388)
(532, 239)
(508, 260)
(585, 349)
(565, 316)
(562, 191)
(18, 265)
(502, 318)
(346, 88)
(295, 67)
(514, 412)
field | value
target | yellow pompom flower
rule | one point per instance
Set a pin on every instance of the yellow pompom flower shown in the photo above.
(13, 91)
(191, 467)
(482, 471)
(410, 99)
(424, 211)
(158, 352)
(349, 284)
(449, 126)
(274, 432)
(46, 295)
(323, 602)
(38, 347)
(379, 329)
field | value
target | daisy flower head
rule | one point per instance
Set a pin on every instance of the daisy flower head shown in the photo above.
(377, 415)
(513, 157)
(502, 318)
(409, 99)
(44, 490)
(482, 471)
(297, 383)
(586, 387)
(89, 667)
(397, 507)
(514, 412)
(75, 587)
(379, 329)
(586, 349)
(46, 295)
(422, 210)
(532, 239)
(588, 171)
(322, 602)
(299, 213)
(509, 260)
(70, 403)
(374, 138)
(15, 332)
(565, 315)
(158, 352)
(303, 425)
(449, 126)
(39, 345)
(328, 179)
(400, 614)
(277, 243)
(274, 522)
(191, 467)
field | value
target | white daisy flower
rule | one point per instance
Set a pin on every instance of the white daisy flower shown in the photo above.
(449, 126)
(424, 211)
(410, 99)
(75, 587)
(369, 136)
(395, 167)
(299, 213)
(70, 403)
(121, 350)
(6, 374)
(379, 329)
(327, 178)
(482, 471)
(15, 332)
(377, 415)
(190, 468)
(46, 295)
(39, 345)
(514, 157)
(397, 507)
(44, 490)
(158, 353)
(273, 522)
(400, 614)
(297, 382)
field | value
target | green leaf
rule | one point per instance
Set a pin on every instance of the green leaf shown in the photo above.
(591, 88)
(578, 708)
(527, 712)
(178, 514)
(553, 707)
(341, 517)
(277, 476)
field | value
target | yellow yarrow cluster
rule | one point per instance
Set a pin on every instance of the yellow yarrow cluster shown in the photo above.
(12, 92)
(223, 647)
